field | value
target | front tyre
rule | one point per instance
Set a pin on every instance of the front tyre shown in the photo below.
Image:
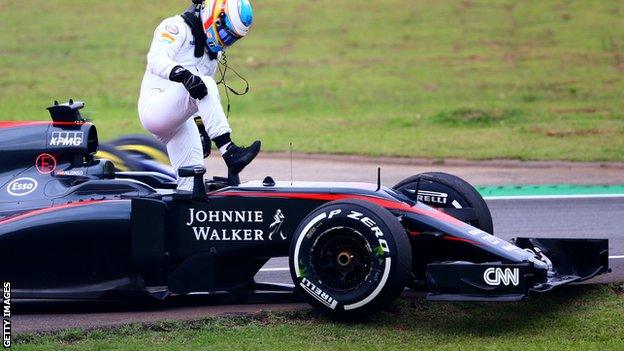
(350, 258)
(450, 194)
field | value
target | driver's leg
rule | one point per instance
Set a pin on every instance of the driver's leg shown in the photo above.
(185, 149)
(211, 111)
(161, 113)
(218, 128)
(167, 115)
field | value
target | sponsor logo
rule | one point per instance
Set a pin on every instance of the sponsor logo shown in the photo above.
(66, 139)
(275, 227)
(172, 29)
(22, 186)
(213, 234)
(6, 314)
(45, 164)
(318, 294)
(430, 196)
(489, 238)
(167, 38)
(370, 224)
(497, 276)
(201, 216)
(234, 225)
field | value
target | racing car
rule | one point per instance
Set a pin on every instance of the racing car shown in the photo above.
(74, 227)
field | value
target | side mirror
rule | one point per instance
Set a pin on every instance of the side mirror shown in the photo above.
(197, 172)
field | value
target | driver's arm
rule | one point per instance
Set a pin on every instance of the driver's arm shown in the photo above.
(167, 41)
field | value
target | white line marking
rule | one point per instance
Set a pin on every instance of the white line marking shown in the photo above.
(282, 269)
(279, 269)
(553, 197)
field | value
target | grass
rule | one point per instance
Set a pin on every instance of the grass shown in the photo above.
(441, 79)
(573, 318)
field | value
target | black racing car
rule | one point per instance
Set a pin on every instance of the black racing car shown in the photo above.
(73, 227)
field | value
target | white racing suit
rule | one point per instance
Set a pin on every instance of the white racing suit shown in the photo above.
(166, 108)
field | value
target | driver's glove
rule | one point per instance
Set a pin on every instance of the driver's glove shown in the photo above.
(193, 84)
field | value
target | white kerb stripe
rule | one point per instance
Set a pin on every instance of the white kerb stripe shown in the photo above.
(376, 292)
(300, 239)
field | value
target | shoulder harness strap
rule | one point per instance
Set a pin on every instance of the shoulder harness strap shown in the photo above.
(199, 35)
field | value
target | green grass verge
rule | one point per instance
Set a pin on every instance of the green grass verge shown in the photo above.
(497, 79)
(572, 318)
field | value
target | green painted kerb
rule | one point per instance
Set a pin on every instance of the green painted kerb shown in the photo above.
(553, 189)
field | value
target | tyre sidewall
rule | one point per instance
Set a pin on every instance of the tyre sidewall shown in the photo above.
(380, 238)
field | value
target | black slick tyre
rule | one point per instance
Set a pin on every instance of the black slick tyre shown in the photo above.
(350, 258)
(450, 194)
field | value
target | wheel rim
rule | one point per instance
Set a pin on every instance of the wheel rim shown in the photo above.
(341, 259)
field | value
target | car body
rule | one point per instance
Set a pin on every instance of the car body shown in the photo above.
(73, 227)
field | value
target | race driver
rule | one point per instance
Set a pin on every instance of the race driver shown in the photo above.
(178, 83)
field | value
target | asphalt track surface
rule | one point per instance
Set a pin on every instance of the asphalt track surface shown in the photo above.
(565, 218)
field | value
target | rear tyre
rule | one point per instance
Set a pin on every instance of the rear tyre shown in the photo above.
(121, 160)
(450, 194)
(350, 258)
(143, 145)
(141, 153)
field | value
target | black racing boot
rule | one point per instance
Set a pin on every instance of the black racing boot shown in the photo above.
(238, 157)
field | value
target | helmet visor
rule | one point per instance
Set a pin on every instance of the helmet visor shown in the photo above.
(225, 32)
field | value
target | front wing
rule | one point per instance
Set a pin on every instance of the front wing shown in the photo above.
(571, 261)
